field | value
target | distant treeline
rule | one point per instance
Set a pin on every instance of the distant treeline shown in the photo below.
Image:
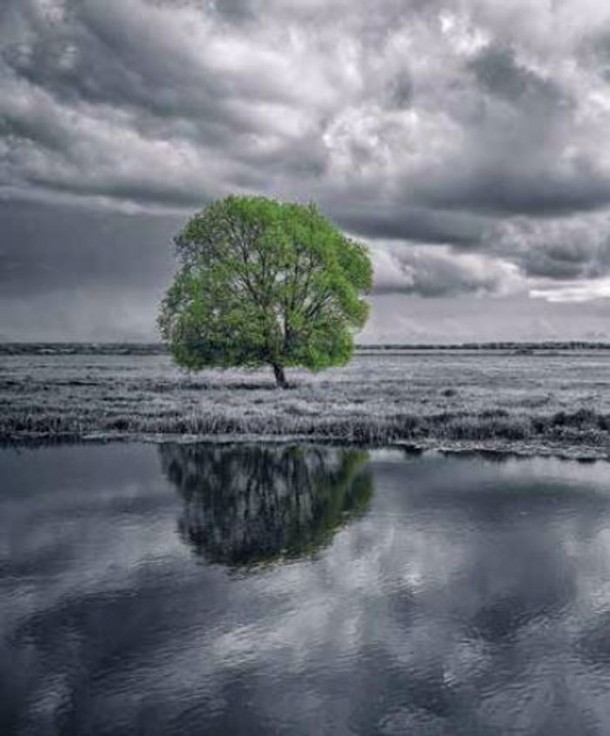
(510, 346)
(137, 348)
(81, 348)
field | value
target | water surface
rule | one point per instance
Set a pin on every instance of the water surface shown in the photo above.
(190, 589)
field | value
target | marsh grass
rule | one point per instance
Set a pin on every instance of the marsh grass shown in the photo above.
(450, 399)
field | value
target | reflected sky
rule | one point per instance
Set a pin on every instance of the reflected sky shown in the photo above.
(454, 596)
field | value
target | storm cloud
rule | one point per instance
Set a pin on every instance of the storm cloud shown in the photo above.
(464, 141)
(436, 272)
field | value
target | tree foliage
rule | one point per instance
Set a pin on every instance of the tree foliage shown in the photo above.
(249, 504)
(264, 283)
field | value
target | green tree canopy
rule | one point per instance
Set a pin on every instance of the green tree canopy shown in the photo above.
(262, 282)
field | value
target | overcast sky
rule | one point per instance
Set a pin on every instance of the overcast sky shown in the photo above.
(466, 141)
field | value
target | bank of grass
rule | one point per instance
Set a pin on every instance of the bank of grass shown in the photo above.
(582, 428)
(555, 404)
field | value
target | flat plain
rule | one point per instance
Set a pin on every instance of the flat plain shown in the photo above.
(537, 403)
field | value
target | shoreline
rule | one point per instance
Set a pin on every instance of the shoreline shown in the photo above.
(487, 449)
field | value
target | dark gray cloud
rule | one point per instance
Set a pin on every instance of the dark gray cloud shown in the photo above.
(416, 224)
(479, 128)
(439, 272)
(434, 103)
(595, 53)
(572, 248)
(521, 188)
(498, 73)
(526, 158)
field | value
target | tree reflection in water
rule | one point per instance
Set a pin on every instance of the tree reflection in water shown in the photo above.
(247, 504)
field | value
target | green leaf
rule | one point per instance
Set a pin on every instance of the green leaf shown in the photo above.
(264, 282)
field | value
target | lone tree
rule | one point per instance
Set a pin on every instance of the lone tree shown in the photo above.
(264, 283)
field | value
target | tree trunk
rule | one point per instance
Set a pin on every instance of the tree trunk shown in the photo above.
(280, 377)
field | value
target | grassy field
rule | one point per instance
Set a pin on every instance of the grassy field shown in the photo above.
(536, 403)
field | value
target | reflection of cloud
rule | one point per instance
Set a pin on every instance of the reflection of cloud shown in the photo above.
(248, 504)
(472, 598)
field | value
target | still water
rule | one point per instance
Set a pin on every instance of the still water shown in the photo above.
(187, 589)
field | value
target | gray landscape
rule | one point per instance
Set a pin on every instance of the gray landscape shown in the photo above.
(527, 401)
(304, 368)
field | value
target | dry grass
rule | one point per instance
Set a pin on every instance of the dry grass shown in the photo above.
(456, 399)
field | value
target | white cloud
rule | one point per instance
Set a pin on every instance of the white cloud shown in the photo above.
(572, 291)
